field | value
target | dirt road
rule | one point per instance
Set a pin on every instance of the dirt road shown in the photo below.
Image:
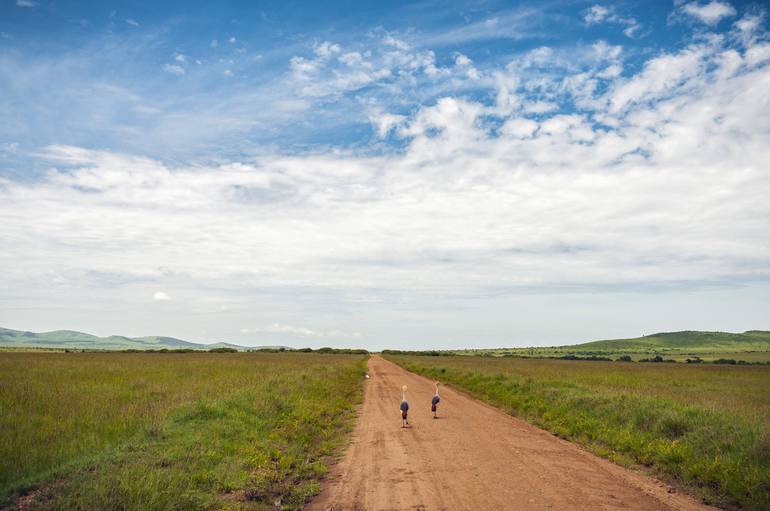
(473, 457)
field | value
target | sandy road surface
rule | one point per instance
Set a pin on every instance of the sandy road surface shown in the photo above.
(473, 457)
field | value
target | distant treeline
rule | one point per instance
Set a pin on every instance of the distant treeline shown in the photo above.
(323, 351)
(423, 353)
(591, 358)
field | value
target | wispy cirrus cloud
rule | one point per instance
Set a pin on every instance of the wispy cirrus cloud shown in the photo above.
(174, 69)
(597, 14)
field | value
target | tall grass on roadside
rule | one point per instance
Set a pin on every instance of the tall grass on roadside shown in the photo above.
(706, 427)
(172, 431)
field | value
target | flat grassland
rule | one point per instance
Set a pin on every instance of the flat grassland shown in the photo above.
(171, 431)
(705, 427)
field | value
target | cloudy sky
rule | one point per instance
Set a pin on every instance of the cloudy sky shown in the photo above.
(410, 175)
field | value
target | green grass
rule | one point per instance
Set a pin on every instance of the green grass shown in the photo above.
(172, 431)
(706, 427)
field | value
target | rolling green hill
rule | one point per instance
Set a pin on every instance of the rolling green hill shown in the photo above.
(753, 346)
(688, 340)
(78, 340)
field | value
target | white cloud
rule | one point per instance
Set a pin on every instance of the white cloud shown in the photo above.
(385, 122)
(540, 107)
(214, 43)
(26, 3)
(327, 49)
(466, 64)
(174, 69)
(758, 54)
(664, 75)
(462, 60)
(228, 72)
(353, 59)
(710, 13)
(323, 76)
(332, 70)
(232, 40)
(396, 43)
(132, 22)
(5, 35)
(10, 147)
(298, 331)
(179, 57)
(597, 14)
(160, 296)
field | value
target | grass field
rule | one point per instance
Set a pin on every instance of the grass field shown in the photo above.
(171, 431)
(706, 427)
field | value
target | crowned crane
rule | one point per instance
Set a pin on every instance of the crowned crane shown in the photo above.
(434, 402)
(404, 408)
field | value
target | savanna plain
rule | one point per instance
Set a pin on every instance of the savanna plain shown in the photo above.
(117, 430)
(171, 430)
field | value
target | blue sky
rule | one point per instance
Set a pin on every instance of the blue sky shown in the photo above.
(429, 174)
(129, 77)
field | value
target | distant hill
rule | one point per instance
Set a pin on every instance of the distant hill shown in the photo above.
(687, 340)
(80, 340)
(752, 346)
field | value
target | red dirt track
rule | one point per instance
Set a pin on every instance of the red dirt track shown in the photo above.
(473, 457)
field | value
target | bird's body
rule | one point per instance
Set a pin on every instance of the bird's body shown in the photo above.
(404, 408)
(434, 402)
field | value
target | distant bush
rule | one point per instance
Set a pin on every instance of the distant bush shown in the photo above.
(624, 358)
(223, 350)
(324, 351)
(696, 360)
(163, 350)
(592, 358)
(657, 359)
(341, 351)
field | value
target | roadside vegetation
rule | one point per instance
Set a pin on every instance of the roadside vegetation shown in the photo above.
(178, 431)
(702, 426)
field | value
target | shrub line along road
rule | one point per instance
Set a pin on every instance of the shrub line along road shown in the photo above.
(473, 457)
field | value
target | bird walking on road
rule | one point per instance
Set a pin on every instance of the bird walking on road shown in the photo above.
(434, 402)
(404, 408)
